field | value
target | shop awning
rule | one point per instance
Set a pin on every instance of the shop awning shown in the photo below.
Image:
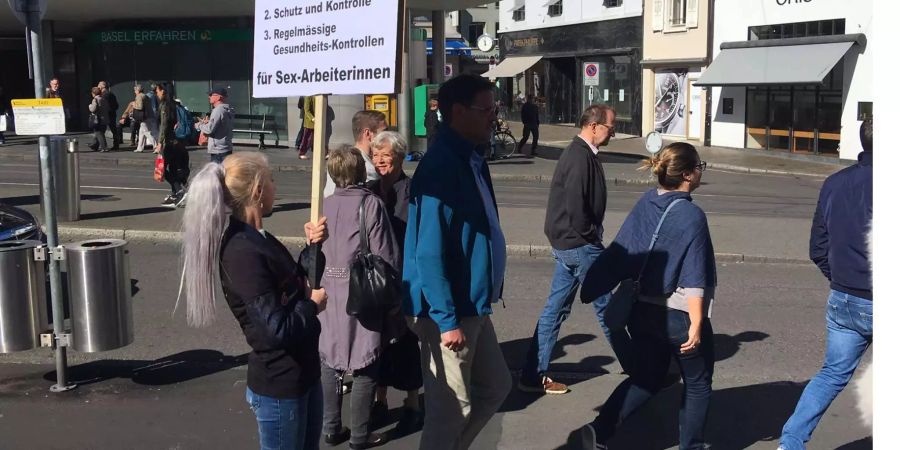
(511, 66)
(453, 47)
(777, 61)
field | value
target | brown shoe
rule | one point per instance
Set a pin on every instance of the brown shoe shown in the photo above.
(548, 386)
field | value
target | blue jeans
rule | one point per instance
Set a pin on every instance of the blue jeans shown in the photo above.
(288, 423)
(657, 333)
(849, 323)
(571, 267)
(218, 158)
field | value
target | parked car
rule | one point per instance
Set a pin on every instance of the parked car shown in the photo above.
(16, 224)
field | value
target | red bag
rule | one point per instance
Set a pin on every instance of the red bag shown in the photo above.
(203, 139)
(159, 169)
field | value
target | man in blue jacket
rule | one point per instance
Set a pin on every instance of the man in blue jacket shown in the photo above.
(453, 264)
(838, 246)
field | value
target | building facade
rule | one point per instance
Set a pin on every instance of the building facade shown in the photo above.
(677, 39)
(791, 75)
(573, 53)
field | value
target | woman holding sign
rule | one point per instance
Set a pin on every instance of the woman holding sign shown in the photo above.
(268, 293)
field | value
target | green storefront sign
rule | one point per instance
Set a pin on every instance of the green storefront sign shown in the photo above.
(164, 36)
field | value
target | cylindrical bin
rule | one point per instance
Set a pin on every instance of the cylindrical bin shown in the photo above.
(66, 178)
(99, 294)
(23, 296)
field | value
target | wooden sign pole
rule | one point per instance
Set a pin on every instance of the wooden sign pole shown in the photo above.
(318, 180)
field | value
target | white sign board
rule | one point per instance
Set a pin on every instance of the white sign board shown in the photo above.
(39, 116)
(311, 47)
(591, 74)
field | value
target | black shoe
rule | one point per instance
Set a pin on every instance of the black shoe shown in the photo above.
(375, 439)
(181, 199)
(338, 438)
(410, 422)
(169, 201)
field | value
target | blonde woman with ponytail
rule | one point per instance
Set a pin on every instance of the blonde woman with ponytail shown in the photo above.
(665, 245)
(267, 291)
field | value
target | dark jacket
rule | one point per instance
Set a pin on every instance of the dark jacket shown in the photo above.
(112, 101)
(577, 201)
(530, 114)
(265, 290)
(396, 200)
(837, 242)
(682, 257)
(448, 255)
(431, 122)
(168, 117)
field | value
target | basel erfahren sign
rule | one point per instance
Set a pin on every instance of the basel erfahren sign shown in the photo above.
(325, 47)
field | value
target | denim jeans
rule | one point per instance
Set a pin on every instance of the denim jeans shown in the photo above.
(218, 158)
(657, 333)
(849, 323)
(571, 267)
(288, 423)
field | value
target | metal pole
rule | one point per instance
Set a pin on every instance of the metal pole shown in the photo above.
(47, 189)
(405, 95)
(438, 46)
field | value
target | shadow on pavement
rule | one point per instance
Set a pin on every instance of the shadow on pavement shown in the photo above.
(125, 212)
(727, 346)
(36, 199)
(177, 368)
(511, 162)
(284, 207)
(738, 418)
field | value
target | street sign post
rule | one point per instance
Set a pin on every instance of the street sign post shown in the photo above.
(39, 116)
(317, 48)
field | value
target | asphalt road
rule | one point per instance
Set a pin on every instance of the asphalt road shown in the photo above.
(182, 388)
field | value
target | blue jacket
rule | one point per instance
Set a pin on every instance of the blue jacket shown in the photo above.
(682, 257)
(447, 254)
(837, 242)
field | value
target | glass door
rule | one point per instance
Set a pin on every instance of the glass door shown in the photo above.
(780, 118)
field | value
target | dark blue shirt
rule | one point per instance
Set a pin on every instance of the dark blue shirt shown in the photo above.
(682, 257)
(837, 242)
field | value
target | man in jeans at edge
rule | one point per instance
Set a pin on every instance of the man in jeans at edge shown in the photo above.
(837, 244)
(453, 266)
(574, 226)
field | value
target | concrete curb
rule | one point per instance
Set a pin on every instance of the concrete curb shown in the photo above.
(74, 234)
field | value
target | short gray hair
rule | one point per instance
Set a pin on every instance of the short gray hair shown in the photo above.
(394, 139)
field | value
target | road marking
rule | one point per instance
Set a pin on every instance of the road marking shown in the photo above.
(97, 187)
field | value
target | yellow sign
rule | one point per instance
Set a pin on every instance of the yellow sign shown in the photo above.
(39, 116)
(24, 103)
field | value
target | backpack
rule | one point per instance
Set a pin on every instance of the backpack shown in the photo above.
(184, 129)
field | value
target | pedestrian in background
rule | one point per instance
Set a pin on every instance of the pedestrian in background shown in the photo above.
(676, 281)
(366, 124)
(531, 123)
(453, 268)
(268, 292)
(219, 126)
(432, 120)
(175, 155)
(113, 107)
(52, 90)
(134, 116)
(574, 226)
(4, 115)
(309, 127)
(348, 343)
(299, 138)
(837, 244)
(400, 362)
(98, 120)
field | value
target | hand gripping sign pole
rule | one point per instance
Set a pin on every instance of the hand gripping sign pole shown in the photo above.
(320, 150)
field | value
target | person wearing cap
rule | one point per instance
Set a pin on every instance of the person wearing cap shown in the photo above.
(219, 126)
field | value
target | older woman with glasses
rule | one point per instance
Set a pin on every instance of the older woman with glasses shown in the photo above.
(400, 367)
(665, 246)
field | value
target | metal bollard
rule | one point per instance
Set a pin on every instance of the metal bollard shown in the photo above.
(23, 296)
(66, 173)
(100, 295)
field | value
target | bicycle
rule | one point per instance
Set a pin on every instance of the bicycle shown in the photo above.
(503, 144)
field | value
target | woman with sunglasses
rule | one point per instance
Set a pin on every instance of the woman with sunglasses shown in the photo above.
(664, 244)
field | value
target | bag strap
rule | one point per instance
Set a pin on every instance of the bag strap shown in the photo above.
(363, 235)
(656, 236)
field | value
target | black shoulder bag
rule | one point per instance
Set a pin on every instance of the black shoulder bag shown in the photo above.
(374, 284)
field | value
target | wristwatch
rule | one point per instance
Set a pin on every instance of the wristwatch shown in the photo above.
(669, 100)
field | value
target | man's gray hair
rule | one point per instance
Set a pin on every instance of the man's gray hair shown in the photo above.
(139, 88)
(394, 139)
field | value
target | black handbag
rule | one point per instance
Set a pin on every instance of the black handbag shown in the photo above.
(374, 284)
(618, 311)
(93, 121)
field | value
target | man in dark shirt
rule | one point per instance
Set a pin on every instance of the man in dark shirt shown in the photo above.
(113, 103)
(574, 226)
(531, 121)
(837, 244)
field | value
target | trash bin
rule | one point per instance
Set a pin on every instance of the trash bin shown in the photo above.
(23, 297)
(67, 194)
(99, 294)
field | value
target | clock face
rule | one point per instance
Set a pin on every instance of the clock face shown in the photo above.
(485, 43)
(667, 98)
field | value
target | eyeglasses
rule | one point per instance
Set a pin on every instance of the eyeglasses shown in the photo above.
(612, 129)
(701, 166)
